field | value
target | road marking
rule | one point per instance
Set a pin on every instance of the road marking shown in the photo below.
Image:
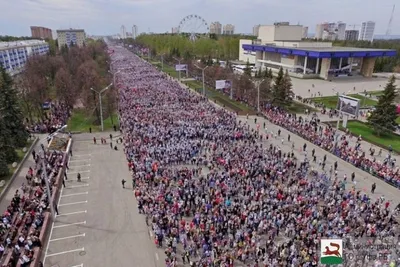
(72, 213)
(77, 172)
(83, 178)
(75, 194)
(77, 186)
(157, 256)
(151, 233)
(69, 224)
(78, 166)
(79, 160)
(80, 265)
(67, 237)
(73, 203)
(82, 155)
(64, 252)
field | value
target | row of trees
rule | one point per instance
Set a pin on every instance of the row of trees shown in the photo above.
(12, 130)
(227, 48)
(67, 77)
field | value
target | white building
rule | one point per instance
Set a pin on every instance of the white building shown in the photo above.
(123, 32)
(255, 29)
(13, 55)
(134, 31)
(229, 29)
(341, 30)
(216, 28)
(367, 31)
(71, 36)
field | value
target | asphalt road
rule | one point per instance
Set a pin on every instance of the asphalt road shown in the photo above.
(98, 222)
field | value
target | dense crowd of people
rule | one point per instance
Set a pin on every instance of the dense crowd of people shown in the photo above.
(325, 137)
(22, 220)
(215, 194)
(55, 116)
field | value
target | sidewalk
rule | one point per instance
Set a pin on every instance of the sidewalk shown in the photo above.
(20, 178)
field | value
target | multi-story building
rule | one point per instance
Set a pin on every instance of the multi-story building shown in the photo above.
(13, 55)
(134, 31)
(123, 32)
(351, 35)
(367, 31)
(255, 29)
(229, 29)
(305, 32)
(41, 32)
(340, 29)
(216, 27)
(319, 31)
(175, 30)
(71, 36)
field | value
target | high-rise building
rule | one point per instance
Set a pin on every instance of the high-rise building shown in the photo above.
(13, 55)
(134, 31)
(229, 29)
(71, 36)
(255, 29)
(367, 31)
(319, 31)
(341, 28)
(305, 32)
(41, 32)
(215, 27)
(123, 32)
(351, 35)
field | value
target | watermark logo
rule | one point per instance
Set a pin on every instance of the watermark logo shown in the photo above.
(331, 251)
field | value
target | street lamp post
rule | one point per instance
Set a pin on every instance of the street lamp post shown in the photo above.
(101, 107)
(202, 70)
(53, 214)
(162, 62)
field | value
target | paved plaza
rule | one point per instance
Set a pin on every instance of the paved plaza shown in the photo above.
(98, 222)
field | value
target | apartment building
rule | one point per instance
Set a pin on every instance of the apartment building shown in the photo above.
(71, 36)
(41, 32)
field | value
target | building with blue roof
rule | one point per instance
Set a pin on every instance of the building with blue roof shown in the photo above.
(281, 46)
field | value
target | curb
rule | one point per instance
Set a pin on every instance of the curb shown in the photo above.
(16, 172)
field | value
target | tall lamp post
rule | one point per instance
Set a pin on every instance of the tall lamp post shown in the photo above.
(53, 214)
(162, 62)
(258, 83)
(101, 107)
(202, 72)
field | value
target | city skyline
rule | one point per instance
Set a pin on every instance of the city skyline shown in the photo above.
(74, 14)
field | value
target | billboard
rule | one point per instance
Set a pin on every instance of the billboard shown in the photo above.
(348, 105)
(223, 84)
(181, 67)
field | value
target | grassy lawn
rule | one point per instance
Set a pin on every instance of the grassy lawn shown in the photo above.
(20, 155)
(331, 101)
(298, 107)
(375, 93)
(81, 122)
(359, 128)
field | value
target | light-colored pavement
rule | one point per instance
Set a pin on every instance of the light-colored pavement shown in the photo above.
(363, 180)
(98, 222)
(341, 85)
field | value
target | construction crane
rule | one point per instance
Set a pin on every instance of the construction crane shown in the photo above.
(389, 28)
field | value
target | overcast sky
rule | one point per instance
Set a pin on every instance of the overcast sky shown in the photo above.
(101, 17)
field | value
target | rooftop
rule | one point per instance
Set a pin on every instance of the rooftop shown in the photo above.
(71, 30)
(323, 52)
(16, 44)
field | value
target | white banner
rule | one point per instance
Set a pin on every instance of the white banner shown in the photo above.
(181, 67)
(349, 105)
(223, 84)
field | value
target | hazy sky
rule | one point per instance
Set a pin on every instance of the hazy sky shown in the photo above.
(106, 16)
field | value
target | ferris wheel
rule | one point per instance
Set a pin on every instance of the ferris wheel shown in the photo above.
(193, 25)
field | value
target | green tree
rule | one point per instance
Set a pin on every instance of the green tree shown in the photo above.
(11, 111)
(281, 93)
(259, 73)
(287, 89)
(247, 70)
(4, 170)
(7, 151)
(383, 118)
(270, 75)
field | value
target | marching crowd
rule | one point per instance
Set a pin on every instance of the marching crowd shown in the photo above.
(325, 137)
(56, 116)
(216, 193)
(22, 221)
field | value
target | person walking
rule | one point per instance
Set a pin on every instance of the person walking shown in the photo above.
(78, 177)
(94, 140)
(373, 187)
(63, 182)
(111, 137)
(55, 208)
(123, 183)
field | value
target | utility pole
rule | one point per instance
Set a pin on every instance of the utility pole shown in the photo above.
(101, 106)
(258, 83)
(202, 70)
